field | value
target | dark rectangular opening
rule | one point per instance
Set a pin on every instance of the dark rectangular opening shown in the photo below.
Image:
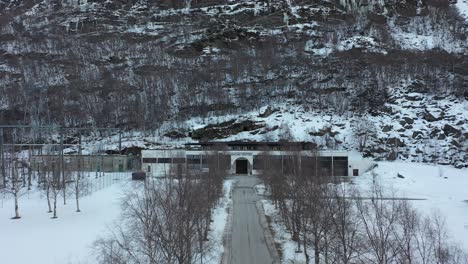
(149, 160)
(224, 162)
(257, 163)
(325, 166)
(242, 166)
(178, 160)
(355, 172)
(340, 165)
(164, 160)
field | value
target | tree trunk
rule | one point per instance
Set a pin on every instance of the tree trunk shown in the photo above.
(55, 206)
(207, 226)
(48, 198)
(316, 253)
(77, 193)
(306, 254)
(64, 192)
(29, 178)
(77, 202)
(17, 216)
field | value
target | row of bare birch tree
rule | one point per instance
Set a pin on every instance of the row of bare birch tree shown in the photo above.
(165, 220)
(21, 177)
(332, 222)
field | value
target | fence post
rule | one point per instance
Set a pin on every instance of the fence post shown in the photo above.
(62, 167)
(2, 158)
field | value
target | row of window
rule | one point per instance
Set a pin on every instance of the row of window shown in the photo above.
(196, 159)
(191, 159)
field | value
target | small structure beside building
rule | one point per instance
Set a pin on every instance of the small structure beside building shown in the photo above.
(99, 163)
(247, 158)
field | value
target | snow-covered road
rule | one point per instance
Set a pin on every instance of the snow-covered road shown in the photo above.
(249, 243)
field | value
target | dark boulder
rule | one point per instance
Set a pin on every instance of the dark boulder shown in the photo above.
(175, 134)
(431, 118)
(324, 131)
(434, 133)
(394, 141)
(414, 97)
(406, 120)
(267, 112)
(417, 134)
(451, 131)
(387, 128)
(392, 155)
(225, 129)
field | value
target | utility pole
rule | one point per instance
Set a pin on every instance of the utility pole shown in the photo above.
(332, 165)
(80, 157)
(2, 158)
(120, 142)
(62, 169)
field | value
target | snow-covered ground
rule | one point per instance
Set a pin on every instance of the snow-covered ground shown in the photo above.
(36, 238)
(220, 218)
(281, 234)
(463, 7)
(443, 187)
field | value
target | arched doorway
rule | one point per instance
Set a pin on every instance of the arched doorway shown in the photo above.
(242, 166)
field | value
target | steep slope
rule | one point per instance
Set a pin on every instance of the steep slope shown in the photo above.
(417, 127)
(154, 64)
(136, 63)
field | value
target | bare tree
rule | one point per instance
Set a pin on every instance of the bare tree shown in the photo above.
(164, 221)
(318, 219)
(379, 219)
(405, 234)
(364, 129)
(16, 184)
(52, 180)
(346, 225)
(79, 185)
(45, 179)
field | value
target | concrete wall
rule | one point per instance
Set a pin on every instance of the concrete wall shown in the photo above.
(104, 163)
(160, 169)
(355, 161)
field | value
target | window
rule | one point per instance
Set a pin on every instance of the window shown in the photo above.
(148, 160)
(355, 172)
(289, 164)
(193, 159)
(224, 161)
(149, 168)
(164, 160)
(194, 167)
(257, 163)
(178, 160)
(325, 166)
(340, 166)
(309, 165)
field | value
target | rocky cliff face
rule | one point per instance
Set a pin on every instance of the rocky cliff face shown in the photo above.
(139, 63)
(136, 63)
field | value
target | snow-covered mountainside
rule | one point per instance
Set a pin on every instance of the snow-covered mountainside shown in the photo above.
(416, 128)
(398, 69)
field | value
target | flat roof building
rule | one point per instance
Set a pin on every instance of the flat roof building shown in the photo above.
(247, 158)
(100, 163)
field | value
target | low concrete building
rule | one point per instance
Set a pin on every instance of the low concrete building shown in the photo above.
(251, 158)
(99, 163)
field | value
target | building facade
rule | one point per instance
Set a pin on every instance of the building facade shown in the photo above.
(247, 158)
(99, 163)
